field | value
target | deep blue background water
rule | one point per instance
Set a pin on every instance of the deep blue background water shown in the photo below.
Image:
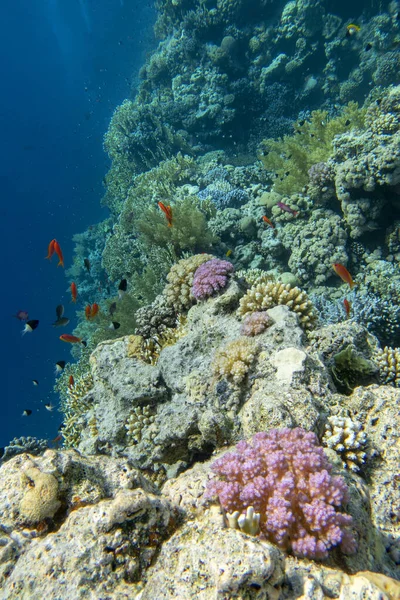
(66, 64)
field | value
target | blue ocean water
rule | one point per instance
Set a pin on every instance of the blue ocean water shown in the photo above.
(66, 65)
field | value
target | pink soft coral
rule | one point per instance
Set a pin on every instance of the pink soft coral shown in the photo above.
(285, 476)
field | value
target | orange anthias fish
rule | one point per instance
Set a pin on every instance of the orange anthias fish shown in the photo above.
(88, 309)
(167, 210)
(343, 274)
(74, 292)
(72, 339)
(347, 307)
(91, 311)
(59, 253)
(71, 381)
(268, 221)
(50, 250)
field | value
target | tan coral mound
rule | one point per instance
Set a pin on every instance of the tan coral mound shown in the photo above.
(263, 296)
(180, 280)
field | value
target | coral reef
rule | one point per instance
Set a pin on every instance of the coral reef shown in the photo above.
(285, 476)
(210, 277)
(177, 292)
(388, 361)
(235, 359)
(347, 438)
(262, 296)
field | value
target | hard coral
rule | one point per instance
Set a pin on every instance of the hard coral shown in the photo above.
(235, 359)
(41, 498)
(267, 295)
(285, 476)
(210, 277)
(177, 292)
(348, 439)
(255, 323)
(388, 361)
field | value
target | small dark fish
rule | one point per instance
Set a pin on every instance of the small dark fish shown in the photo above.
(86, 262)
(30, 326)
(35, 382)
(26, 412)
(60, 366)
(347, 122)
(1, 452)
(378, 101)
(114, 325)
(368, 47)
(21, 315)
(61, 322)
(123, 286)
(301, 123)
(287, 173)
(112, 308)
(59, 311)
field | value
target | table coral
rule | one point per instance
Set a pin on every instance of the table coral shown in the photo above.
(285, 476)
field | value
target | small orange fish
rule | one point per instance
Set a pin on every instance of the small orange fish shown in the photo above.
(50, 250)
(95, 309)
(74, 292)
(343, 274)
(88, 309)
(167, 210)
(347, 307)
(71, 381)
(59, 253)
(72, 339)
(268, 221)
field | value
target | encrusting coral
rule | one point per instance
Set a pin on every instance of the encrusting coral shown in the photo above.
(262, 296)
(40, 501)
(234, 360)
(388, 361)
(348, 439)
(285, 477)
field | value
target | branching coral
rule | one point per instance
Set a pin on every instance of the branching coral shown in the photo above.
(348, 439)
(388, 361)
(234, 360)
(255, 323)
(177, 292)
(292, 156)
(210, 277)
(262, 296)
(285, 476)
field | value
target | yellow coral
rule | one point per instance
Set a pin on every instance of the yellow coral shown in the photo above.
(388, 361)
(235, 359)
(40, 500)
(180, 279)
(263, 296)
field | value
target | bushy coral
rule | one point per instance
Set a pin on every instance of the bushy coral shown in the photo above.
(285, 476)
(267, 295)
(177, 292)
(292, 157)
(211, 277)
(255, 323)
(234, 360)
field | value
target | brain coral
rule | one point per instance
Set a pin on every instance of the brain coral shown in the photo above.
(211, 277)
(263, 296)
(177, 292)
(285, 476)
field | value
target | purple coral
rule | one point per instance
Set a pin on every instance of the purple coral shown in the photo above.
(210, 277)
(321, 175)
(255, 323)
(285, 476)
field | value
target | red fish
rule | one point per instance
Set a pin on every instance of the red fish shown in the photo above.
(95, 310)
(50, 250)
(167, 210)
(59, 253)
(347, 307)
(268, 221)
(343, 274)
(88, 309)
(72, 339)
(74, 292)
(287, 208)
(71, 381)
